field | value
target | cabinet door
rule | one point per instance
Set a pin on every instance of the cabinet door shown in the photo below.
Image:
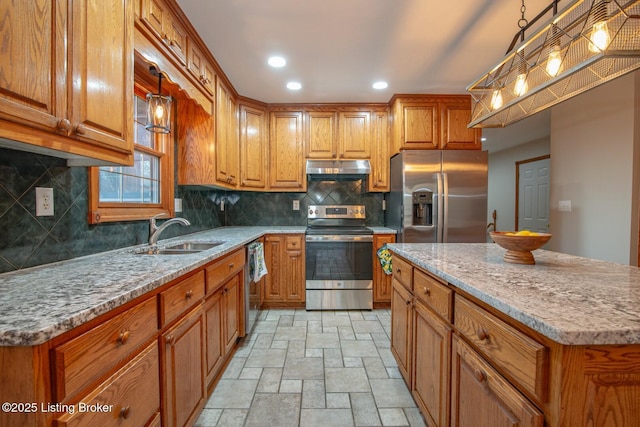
(102, 91)
(455, 114)
(201, 69)
(379, 177)
(321, 135)
(231, 311)
(381, 281)
(273, 290)
(432, 365)
(213, 334)
(482, 397)
(402, 328)
(226, 137)
(253, 148)
(354, 140)
(33, 62)
(420, 126)
(294, 258)
(286, 152)
(184, 370)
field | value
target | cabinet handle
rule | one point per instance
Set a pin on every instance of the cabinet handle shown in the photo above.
(81, 129)
(171, 340)
(480, 376)
(398, 270)
(231, 266)
(123, 337)
(64, 125)
(427, 291)
(482, 334)
(189, 294)
(124, 412)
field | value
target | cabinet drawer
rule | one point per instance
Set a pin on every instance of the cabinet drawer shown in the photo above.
(294, 243)
(180, 297)
(433, 293)
(130, 397)
(219, 273)
(519, 356)
(402, 271)
(85, 358)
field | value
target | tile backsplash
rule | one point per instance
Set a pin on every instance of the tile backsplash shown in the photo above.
(27, 240)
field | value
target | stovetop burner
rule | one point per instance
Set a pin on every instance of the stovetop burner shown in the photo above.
(337, 219)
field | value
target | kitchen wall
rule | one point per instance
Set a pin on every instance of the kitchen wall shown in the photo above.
(595, 162)
(27, 240)
(502, 180)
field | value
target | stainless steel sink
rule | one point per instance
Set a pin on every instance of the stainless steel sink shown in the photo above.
(183, 248)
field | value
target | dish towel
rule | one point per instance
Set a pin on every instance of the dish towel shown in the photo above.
(257, 266)
(384, 255)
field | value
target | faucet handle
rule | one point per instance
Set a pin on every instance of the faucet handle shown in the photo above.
(152, 220)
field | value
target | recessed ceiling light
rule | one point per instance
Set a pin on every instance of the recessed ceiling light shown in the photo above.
(380, 85)
(277, 61)
(294, 86)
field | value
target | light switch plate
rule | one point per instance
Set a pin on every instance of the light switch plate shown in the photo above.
(177, 204)
(296, 205)
(564, 205)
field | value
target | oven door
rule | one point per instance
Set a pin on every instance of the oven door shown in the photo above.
(339, 272)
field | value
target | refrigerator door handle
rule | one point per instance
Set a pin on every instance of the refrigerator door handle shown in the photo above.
(445, 207)
(440, 208)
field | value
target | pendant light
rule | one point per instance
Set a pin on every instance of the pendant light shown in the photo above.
(588, 43)
(158, 108)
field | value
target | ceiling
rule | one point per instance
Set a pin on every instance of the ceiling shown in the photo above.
(338, 48)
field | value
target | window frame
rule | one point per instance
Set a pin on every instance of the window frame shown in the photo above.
(100, 212)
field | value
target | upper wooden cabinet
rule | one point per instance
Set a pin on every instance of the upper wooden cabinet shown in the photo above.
(379, 177)
(253, 147)
(200, 67)
(433, 122)
(159, 18)
(286, 153)
(66, 79)
(321, 135)
(227, 138)
(354, 136)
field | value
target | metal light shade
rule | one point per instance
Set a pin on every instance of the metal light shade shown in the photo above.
(564, 58)
(158, 108)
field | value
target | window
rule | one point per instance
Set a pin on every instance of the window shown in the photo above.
(140, 191)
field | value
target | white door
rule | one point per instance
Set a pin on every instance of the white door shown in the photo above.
(533, 195)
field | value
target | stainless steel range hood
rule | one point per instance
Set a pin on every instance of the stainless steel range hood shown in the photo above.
(338, 167)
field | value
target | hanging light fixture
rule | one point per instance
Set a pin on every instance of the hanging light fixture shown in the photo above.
(587, 44)
(158, 108)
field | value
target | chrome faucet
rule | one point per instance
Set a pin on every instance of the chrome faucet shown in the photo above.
(154, 230)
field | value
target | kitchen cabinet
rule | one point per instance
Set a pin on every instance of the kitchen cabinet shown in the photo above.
(422, 122)
(379, 177)
(227, 137)
(196, 145)
(402, 328)
(200, 68)
(284, 286)
(254, 147)
(381, 280)
(286, 152)
(183, 372)
(495, 401)
(354, 135)
(67, 79)
(159, 18)
(321, 135)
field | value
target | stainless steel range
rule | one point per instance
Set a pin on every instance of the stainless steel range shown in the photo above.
(339, 258)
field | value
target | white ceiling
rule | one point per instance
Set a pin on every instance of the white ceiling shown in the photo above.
(337, 48)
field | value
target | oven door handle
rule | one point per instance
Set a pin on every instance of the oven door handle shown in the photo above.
(328, 238)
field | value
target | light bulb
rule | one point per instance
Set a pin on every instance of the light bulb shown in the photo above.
(521, 87)
(599, 37)
(496, 99)
(554, 61)
(159, 112)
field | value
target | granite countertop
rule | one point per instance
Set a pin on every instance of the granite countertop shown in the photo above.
(40, 303)
(571, 300)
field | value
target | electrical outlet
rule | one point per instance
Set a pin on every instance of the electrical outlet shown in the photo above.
(564, 205)
(44, 201)
(296, 205)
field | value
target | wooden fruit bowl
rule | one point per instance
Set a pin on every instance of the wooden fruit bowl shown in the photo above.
(519, 247)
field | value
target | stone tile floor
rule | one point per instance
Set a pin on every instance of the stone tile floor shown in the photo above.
(316, 368)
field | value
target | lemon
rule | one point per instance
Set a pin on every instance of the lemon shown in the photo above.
(523, 233)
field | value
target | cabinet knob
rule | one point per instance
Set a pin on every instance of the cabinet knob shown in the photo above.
(124, 412)
(171, 340)
(480, 376)
(408, 302)
(81, 129)
(231, 266)
(398, 270)
(189, 294)
(427, 291)
(123, 337)
(482, 334)
(64, 125)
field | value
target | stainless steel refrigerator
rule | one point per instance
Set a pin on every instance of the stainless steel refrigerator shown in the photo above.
(438, 196)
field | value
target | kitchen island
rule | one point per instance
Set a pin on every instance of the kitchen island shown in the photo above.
(557, 342)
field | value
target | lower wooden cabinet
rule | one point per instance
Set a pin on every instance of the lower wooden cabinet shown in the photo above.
(482, 397)
(402, 328)
(183, 371)
(284, 286)
(381, 281)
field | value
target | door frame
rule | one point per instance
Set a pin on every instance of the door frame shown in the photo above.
(518, 163)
